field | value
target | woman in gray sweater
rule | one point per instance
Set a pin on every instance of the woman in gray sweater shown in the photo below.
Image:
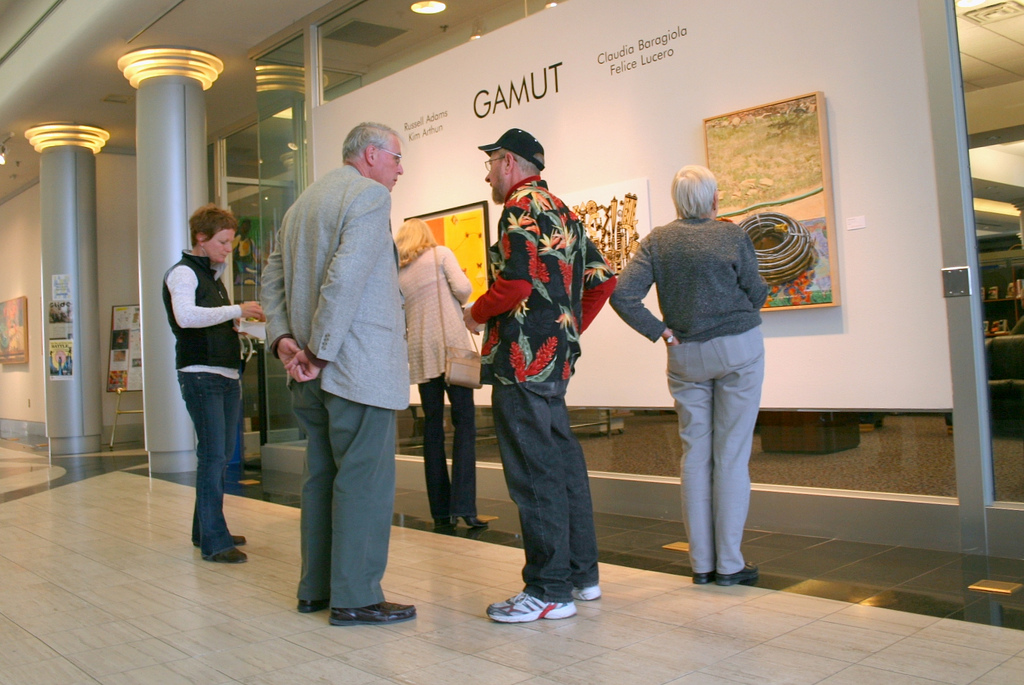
(709, 293)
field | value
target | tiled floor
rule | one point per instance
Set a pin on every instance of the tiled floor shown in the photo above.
(916, 580)
(99, 584)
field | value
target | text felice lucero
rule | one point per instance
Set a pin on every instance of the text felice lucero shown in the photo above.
(648, 50)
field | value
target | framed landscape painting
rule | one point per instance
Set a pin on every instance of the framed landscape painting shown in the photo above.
(774, 181)
(465, 231)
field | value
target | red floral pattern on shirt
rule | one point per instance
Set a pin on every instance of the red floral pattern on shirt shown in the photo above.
(539, 236)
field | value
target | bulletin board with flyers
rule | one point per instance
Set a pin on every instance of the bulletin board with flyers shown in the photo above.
(125, 361)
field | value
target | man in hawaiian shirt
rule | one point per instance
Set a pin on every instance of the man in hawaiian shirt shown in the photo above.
(548, 282)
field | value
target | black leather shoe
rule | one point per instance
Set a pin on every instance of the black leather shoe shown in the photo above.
(748, 576)
(474, 522)
(311, 606)
(384, 612)
(228, 556)
(236, 540)
(703, 578)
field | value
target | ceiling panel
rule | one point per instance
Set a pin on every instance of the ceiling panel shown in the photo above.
(974, 68)
(999, 79)
(1008, 28)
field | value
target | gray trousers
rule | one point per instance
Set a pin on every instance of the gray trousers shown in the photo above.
(348, 495)
(717, 390)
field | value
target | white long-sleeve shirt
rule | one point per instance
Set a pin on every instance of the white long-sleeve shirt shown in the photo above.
(182, 284)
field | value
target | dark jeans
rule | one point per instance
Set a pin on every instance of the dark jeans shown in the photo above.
(547, 479)
(458, 496)
(214, 402)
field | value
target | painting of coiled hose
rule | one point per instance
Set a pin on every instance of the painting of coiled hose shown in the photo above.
(774, 181)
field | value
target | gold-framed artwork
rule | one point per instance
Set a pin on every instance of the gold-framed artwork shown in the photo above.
(466, 232)
(14, 331)
(774, 180)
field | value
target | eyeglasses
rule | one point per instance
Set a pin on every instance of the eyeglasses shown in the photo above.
(393, 154)
(492, 160)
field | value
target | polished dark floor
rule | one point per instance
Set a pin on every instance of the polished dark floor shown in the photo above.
(913, 580)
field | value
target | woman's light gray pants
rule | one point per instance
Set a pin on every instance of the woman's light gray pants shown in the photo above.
(717, 390)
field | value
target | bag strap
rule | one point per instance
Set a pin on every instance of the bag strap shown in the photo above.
(440, 305)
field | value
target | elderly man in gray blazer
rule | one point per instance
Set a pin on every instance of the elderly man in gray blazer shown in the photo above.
(335, 318)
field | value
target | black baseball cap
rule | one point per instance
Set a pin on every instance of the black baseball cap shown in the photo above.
(520, 142)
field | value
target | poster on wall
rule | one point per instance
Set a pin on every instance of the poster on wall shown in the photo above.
(773, 170)
(465, 231)
(60, 285)
(62, 358)
(14, 331)
(125, 363)
(60, 320)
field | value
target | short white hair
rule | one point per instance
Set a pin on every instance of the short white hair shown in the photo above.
(694, 190)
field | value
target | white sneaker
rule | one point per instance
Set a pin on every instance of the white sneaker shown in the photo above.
(587, 594)
(524, 608)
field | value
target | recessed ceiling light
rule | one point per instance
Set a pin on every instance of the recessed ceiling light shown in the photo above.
(427, 7)
(969, 3)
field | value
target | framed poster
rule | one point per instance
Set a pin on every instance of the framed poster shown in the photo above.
(62, 360)
(774, 180)
(14, 331)
(125, 361)
(465, 231)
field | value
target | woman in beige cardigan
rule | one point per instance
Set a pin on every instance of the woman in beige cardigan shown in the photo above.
(435, 287)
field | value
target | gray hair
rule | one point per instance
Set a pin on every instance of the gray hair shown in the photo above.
(363, 136)
(525, 166)
(694, 190)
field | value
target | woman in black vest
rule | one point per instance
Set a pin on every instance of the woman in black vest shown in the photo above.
(207, 358)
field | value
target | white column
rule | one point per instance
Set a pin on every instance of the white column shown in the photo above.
(171, 160)
(67, 182)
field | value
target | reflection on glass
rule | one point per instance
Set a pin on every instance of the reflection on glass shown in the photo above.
(1002, 280)
(281, 176)
(906, 453)
(377, 38)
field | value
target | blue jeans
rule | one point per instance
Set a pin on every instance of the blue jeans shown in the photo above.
(547, 479)
(214, 402)
(456, 497)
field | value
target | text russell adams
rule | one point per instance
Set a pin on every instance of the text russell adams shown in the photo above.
(416, 130)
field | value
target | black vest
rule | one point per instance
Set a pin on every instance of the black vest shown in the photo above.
(212, 346)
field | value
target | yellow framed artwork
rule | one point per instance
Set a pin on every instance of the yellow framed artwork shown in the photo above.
(465, 231)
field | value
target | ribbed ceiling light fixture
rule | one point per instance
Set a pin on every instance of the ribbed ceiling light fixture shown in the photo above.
(270, 77)
(428, 7)
(152, 62)
(55, 135)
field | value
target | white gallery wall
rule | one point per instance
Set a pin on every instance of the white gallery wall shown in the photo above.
(117, 249)
(21, 385)
(606, 118)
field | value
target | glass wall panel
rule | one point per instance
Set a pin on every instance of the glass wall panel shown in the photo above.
(892, 449)
(380, 37)
(281, 131)
(995, 125)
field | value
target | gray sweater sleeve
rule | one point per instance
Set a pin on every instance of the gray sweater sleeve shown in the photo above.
(634, 283)
(750, 281)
